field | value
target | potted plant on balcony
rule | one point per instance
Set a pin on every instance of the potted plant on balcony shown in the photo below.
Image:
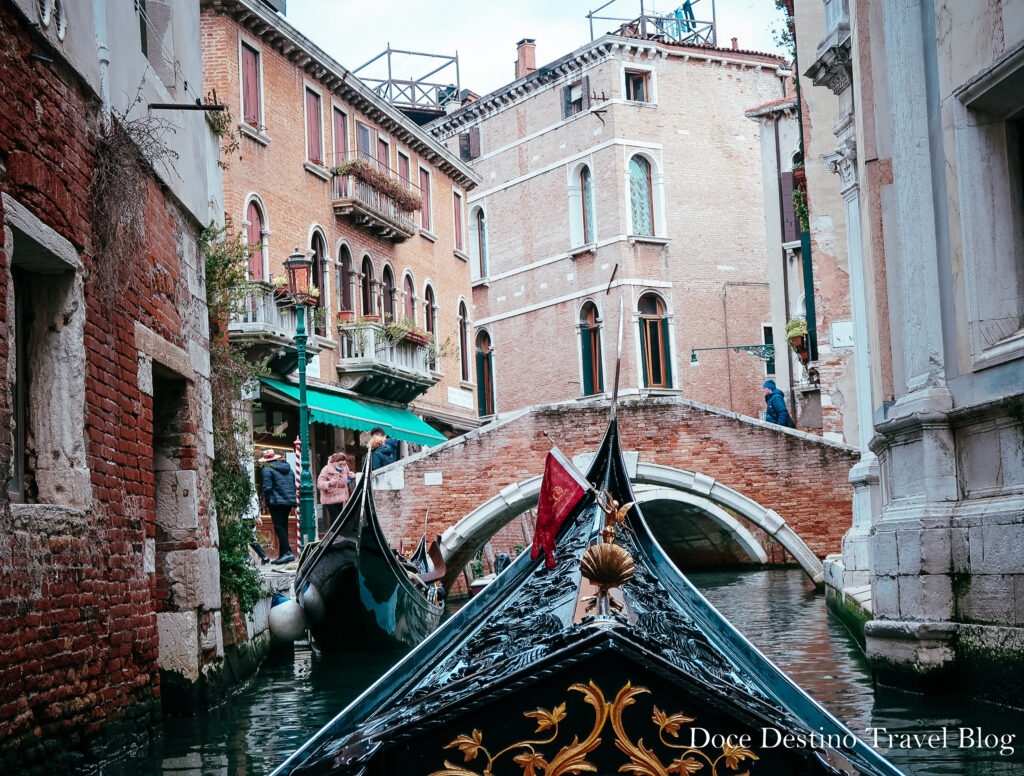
(796, 333)
(370, 173)
(406, 329)
(346, 316)
(280, 286)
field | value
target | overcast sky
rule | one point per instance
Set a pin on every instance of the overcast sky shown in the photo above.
(484, 33)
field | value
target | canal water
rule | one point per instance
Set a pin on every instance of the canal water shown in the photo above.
(779, 610)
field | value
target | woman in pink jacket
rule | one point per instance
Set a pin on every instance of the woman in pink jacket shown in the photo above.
(333, 486)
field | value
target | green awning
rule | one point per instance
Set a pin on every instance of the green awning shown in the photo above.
(345, 412)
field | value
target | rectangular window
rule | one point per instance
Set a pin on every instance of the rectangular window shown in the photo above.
(403, 168)
(457, 201)
(768, 338)
(340, 132)
(364, 141)
(425, 199)
(251, 113)
(637, 86)
(314, 129)
(576, 98)
(383, 154)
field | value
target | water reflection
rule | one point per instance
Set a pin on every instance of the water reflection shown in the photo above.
(287, 702)
(781, 612)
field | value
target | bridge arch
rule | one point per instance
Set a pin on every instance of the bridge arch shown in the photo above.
(462, 541)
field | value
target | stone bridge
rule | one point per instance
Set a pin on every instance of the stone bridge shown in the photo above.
(717, 487)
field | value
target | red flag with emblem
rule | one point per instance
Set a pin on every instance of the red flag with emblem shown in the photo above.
(560, 490)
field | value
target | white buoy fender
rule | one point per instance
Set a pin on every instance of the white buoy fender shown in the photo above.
(312, 602)
(287, 620)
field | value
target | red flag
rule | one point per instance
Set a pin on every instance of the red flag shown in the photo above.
(560, 490)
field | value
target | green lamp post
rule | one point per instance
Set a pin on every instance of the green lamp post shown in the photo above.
(299, 267)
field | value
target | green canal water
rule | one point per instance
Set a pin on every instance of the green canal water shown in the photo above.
(778, 610)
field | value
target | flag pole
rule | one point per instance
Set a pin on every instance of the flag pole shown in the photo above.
(618, 361)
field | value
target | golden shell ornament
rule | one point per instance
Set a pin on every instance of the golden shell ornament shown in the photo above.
(607, 565)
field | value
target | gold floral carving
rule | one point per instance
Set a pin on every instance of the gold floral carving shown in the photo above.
(572, 758)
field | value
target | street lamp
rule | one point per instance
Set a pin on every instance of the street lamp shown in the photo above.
(299, 267)
(763, 352)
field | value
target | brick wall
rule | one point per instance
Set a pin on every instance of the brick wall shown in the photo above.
(78, 600)
(799, 476)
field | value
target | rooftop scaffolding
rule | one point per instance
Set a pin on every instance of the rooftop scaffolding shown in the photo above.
(418, 97)
(680, 26)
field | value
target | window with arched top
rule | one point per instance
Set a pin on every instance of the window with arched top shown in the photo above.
(641, 196)
(478, 243)
(590, 349)
(430, 321)
(343, 279)
(366, 287)
(484, 374)
(387, 282)
(409, 299)
(317, 277)
(463, 341)
(655, 349)
(255, 239)
(587, 204)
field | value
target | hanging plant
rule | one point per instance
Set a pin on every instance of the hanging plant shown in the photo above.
(369, 173)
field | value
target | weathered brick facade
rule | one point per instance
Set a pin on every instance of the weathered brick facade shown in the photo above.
(704, 255)
(89, 350)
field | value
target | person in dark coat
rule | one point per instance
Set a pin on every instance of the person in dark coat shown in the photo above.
(776, 411)
(279, 496)
(384, 450)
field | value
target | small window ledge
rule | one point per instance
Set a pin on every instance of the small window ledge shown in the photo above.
(324, 342)
(467, 385)
(641, 103)
(582, 250)
(253, 134)
(426, 234)
(1006, 350)
(461, 255)
(317, 169)
(661, 391)
(648, 239)
(482, 283)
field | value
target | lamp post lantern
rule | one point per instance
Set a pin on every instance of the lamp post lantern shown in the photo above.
(299, 267)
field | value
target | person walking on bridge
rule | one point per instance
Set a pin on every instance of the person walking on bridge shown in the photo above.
(775, 401)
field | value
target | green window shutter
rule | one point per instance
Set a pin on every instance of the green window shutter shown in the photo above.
(643, 353)
(481, 388)
(588, 362)
(663, 323)
(600, 365)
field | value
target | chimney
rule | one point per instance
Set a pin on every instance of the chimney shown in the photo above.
(735, 44)
(526, 57)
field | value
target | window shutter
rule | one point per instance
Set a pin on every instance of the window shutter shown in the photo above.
(566, 102)
(643, 353)
(585, 86)
(313, 132)
(464, 152)
(340, 136)
(588, 362)
(474, 142)
(667, 350)
(250, 87)
(789, 227)
(596, 346)
(481, 387)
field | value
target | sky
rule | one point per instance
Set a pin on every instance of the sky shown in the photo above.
(484, 33)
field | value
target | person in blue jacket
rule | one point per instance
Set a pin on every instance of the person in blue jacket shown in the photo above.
(776, 411)
(279, 496)
(384, 450)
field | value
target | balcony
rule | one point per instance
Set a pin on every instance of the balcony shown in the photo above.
(374, 363)
(374, 196)
(265, 322)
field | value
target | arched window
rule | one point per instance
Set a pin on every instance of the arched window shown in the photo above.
(590, 348)
(587, 204)
(409, 301)
(641, 196)
(464, 340)
(254, 237)
(484, 374)
(317, 276)
(478, 243)
(366, 287)
(343, 279)
(387, 282)
(430, 321)
(654, 344)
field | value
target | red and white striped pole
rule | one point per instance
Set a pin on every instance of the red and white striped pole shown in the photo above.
(298, 475)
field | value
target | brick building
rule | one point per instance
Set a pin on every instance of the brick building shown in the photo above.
(626, 167)
(326, 165)
(108, 567)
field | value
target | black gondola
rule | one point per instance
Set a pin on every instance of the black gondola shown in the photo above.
(359, 595)
(556, 672)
